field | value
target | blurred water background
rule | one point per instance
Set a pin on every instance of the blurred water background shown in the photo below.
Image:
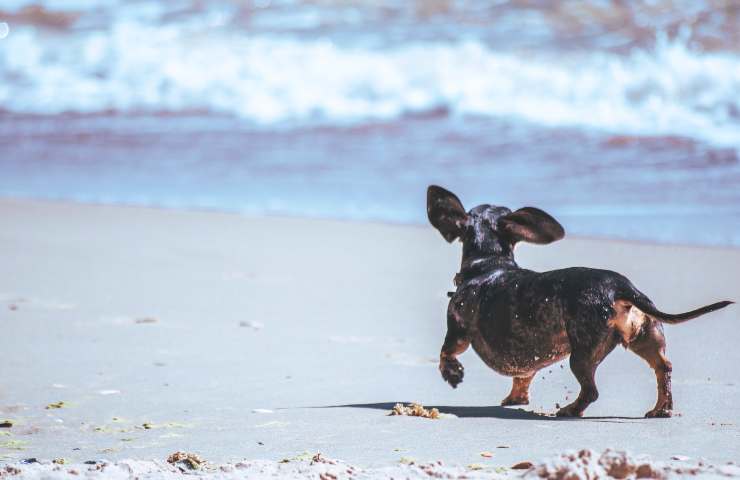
(621, 118)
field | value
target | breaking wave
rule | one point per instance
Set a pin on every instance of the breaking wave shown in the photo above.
(134, 67)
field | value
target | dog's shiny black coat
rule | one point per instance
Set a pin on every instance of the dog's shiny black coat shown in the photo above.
(520, 321)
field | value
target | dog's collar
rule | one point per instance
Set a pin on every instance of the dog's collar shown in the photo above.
(481, 266)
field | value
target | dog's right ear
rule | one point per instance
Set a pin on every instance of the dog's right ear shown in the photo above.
(446, 212)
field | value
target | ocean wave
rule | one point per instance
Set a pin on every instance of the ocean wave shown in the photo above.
(269, 79)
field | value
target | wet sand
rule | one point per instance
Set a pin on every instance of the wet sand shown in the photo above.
(264, 338)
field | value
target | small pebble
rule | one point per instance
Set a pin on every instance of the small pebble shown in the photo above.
(145, 320)
(252, 325)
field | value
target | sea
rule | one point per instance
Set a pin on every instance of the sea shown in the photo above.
(620, 118)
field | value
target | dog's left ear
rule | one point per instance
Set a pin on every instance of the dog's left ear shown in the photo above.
(446, 212)
(531, 225)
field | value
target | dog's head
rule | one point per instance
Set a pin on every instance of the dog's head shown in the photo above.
(488, 229)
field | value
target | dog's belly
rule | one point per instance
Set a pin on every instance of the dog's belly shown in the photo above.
(522, 352)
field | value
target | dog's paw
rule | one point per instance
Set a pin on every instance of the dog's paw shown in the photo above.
(659, 413)
(509, 401)
(569, 411)
(452, 371)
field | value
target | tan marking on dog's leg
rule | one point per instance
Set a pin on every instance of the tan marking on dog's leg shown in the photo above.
(519, 391)
(664, 405)
(450, 350)
(651, 346)
(628, 320)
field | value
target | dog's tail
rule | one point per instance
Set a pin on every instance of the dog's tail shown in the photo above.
(642, 302)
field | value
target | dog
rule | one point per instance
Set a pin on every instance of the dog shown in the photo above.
(520, 321)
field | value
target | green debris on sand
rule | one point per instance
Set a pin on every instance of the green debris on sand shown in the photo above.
(110, 429)
(56, 405)
(14, 444)
(152, 426)
(305, 456)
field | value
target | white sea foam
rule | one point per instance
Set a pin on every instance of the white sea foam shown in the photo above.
(134, 67)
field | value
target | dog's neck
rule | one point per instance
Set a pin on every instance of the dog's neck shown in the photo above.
(477, 266)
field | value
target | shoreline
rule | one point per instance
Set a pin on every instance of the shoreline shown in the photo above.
(352, 221)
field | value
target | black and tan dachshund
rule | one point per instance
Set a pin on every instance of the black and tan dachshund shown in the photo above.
(519, 321)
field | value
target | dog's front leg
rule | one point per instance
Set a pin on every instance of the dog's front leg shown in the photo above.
(450, 367)
(456, 342)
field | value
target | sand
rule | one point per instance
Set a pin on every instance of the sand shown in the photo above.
(584, 464)
(132, 333)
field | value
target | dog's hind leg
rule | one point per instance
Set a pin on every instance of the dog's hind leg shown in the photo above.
(584, 360)
(519, 392)
(650, 345)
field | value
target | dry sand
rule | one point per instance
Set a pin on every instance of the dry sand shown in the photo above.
(264, 338)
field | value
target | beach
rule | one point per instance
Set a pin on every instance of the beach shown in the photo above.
(132, 333)
(215, 250)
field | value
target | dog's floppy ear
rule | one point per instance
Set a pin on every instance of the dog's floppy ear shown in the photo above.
(445, 212)
(531, 225)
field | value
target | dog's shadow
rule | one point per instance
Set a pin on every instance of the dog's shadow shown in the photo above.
(493, 411)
